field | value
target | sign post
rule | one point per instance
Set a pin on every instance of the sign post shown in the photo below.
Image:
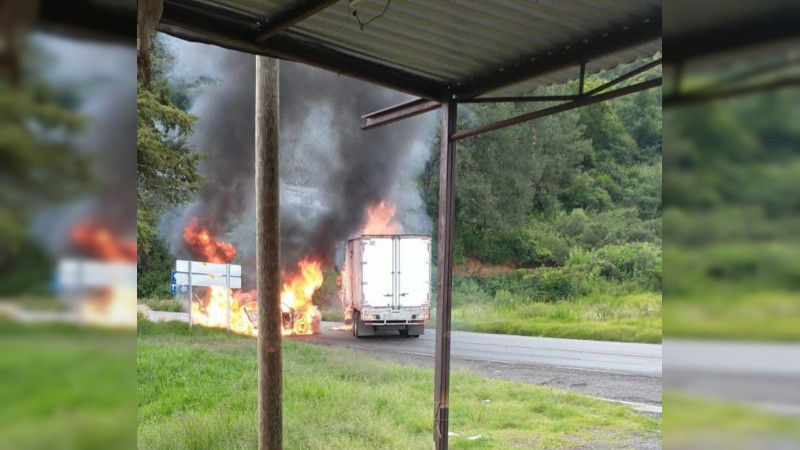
(191, 298)
(205, 274)
(228, 292)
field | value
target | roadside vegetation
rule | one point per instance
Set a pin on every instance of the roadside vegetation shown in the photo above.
(731, 219)
(558, 221)
(699, 422)
(612, 294)
(66, 387)
(339, 399)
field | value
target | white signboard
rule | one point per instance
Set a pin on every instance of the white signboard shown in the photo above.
(77, 274)
(208, 268)
(206, 274)
(200, 279)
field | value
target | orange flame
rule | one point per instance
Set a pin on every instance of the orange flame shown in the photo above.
(101, 243)
(380, 219)
(296, 296)
(210, 307)
(112, 305)
(301, 316)
(205, 246)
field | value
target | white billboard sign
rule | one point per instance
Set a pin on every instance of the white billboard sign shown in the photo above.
(206, 274)
(78, 274)
(202, 279)
(199, 267)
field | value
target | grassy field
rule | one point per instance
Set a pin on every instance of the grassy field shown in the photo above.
(66, 388)
(631, 318)
(764, 316)
(696, 423)
(170, 304)
(197, 390)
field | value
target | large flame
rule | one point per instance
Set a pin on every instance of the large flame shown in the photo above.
(380, 219)
(204, 245)
(113, 305)
(296, 297)
(210, 305)
(100, 242)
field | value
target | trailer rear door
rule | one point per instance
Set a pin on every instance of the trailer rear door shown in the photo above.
(377, 277)
(414, 259)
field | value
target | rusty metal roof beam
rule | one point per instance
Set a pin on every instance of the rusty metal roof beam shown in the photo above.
(621, 78)
(398, 112)
(420, 106)
(592, 47)
(581, 102)
(291, 17)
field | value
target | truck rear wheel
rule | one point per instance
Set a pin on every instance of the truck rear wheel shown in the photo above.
(357, 324)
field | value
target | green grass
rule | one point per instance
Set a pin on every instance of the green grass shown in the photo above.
(197, 390)
(67, 388)
(730, 314)
(170, 304)
(40, 303)
(628, 318)
(697, 423)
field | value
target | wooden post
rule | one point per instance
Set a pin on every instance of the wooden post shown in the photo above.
(270, 376)
(445, 275)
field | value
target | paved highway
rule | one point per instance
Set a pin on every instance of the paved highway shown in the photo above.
(765, 375)
(621, 372)
(597, 356)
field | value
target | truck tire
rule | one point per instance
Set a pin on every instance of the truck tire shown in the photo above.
(404, 332)
(357, 324)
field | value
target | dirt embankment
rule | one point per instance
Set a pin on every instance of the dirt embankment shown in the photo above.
(474, 267)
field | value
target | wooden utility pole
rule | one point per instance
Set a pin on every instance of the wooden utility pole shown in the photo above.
(444, 282)
(270, 366)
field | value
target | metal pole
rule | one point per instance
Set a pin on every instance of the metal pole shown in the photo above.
(582, 79)
(445, 275)
(228, 292)
(191, 296)
(270, 377)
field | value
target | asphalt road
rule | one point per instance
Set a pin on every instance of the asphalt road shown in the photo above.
(615, 371)
(597, 356)
(764, 375)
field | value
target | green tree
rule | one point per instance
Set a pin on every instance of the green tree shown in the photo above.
(165, 166)
(38, 166)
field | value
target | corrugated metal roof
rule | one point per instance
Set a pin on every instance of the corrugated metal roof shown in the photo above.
(460, 43)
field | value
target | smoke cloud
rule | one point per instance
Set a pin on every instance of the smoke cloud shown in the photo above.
(109, 138)
(322, 147)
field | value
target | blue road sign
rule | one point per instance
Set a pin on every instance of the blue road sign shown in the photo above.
(173, 284)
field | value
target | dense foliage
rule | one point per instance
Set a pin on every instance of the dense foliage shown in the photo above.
(166, 168)
(572, 201)
(39, 167)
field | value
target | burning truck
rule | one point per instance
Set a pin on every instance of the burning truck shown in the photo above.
(386, 284)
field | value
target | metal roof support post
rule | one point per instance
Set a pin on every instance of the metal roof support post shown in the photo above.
(270, 366)
(445, 274)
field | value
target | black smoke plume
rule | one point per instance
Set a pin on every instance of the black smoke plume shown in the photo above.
(322, 147)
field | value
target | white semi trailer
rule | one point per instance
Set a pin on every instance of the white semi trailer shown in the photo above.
(386, 284)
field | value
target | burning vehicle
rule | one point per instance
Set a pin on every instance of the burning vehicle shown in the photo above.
(386, 284)
(292, 321)
(210, 305)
